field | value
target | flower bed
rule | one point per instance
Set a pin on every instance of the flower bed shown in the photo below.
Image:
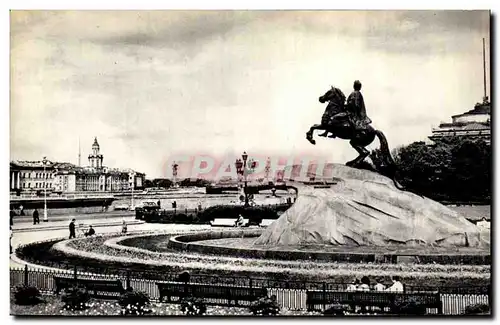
(92, 252)
(53, 306)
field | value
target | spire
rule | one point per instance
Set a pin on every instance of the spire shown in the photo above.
(79, 153)
(96, 144)
(485, 98)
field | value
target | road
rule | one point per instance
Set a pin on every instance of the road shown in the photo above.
(98, 215)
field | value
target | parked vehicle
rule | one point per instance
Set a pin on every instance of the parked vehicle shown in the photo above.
(145, 206)
(121, 207)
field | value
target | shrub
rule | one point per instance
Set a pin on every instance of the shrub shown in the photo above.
(264, 306)
(336, 310)
(26, 295)
(193, 306)
(409, 307)
(134, 303)
(477, 309)
(75, 298)
(251, 212)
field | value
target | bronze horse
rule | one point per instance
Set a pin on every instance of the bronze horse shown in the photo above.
(342, 127)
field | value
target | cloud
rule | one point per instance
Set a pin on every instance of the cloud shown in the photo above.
(149, 84)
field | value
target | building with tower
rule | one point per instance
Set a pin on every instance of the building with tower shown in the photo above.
(95, 158)
(29, 176)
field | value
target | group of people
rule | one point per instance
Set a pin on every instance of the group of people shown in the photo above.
(72, 230)
(91, 230)
(365, 285)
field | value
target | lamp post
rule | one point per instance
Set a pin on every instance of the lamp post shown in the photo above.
(241, 169)
(267, 170)
(132, 207)
(175, 167)
(45, 217)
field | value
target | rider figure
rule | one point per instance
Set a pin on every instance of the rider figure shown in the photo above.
(355, 111)
(356, 108)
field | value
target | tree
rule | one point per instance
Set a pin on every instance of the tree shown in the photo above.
(162, 182)
(199, 182)
(471, 166)
(454, 169)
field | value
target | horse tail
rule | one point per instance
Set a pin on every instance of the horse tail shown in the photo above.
(388, 159)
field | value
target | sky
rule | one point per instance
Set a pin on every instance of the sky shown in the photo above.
(152, 84)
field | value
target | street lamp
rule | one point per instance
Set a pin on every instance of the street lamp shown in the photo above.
(132, 207)
(45, 218)
(175, 167)
(241, 169)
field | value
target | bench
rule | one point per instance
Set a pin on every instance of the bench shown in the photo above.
(372, 299)
(233, 294)
(96, 287)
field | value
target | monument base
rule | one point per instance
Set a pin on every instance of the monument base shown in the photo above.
(366, 209)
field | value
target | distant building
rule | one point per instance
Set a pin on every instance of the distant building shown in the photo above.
(474, 124)
(29, 176)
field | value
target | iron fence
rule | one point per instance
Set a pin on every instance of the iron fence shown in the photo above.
(289, 294)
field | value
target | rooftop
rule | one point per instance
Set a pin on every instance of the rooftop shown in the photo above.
(479, 108)
(464, 126)
(69, 167)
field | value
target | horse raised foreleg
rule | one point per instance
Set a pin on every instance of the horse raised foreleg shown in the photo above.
(363, 153)
(309, 134)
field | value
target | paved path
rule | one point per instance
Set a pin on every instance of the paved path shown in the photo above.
(64, 224)
(25, 237)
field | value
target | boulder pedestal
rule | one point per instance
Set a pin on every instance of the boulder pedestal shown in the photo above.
(365, 208)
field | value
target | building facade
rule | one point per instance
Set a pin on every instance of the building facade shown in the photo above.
(31, 176)
(474, 124)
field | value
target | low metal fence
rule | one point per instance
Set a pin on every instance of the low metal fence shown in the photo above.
(290, 294)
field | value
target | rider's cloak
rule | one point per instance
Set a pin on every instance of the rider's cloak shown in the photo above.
(356, 107)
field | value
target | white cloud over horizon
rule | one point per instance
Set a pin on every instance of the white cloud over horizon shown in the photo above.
(151, 84)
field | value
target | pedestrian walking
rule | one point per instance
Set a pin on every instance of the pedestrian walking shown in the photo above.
(124, 227)
(21, 210)
(12, 214)
(10, 240)
(72, 233)
(36, 217)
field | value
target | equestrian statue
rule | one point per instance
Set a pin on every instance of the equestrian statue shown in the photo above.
(349, 121)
